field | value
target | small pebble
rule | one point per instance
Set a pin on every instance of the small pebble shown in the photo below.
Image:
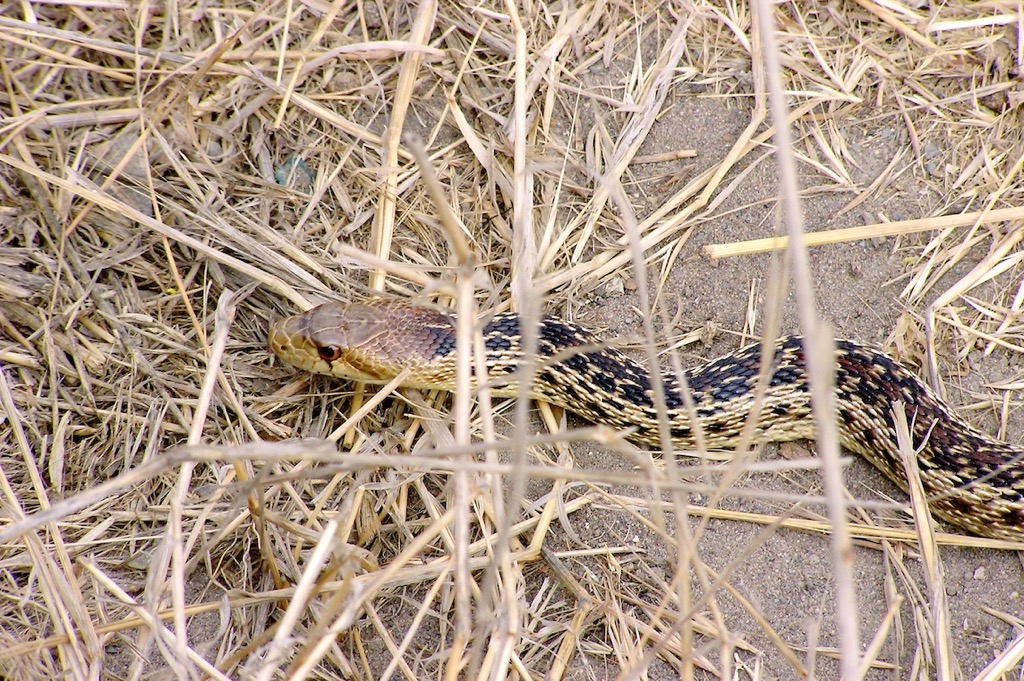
(614, 288)
(294, 174)
(709, 332)
(980, 573)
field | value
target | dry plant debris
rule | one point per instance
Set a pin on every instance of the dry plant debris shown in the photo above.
(176, 175)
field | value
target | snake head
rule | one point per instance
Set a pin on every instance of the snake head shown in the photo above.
(328, 340)
(367, 342)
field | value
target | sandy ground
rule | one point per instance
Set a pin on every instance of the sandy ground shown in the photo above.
(788, 577)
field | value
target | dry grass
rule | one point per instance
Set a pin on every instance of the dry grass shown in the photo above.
(174, 177)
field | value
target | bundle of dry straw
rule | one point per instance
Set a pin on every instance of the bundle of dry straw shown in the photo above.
(177, 175)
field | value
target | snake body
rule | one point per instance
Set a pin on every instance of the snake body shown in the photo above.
(972, 480)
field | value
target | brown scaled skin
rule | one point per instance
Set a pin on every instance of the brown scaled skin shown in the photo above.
(348, 341)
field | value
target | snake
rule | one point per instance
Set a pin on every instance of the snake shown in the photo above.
(970, 479)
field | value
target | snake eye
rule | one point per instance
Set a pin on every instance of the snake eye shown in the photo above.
(329, 353)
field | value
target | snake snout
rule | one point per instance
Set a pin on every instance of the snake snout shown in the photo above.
(285, 339)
